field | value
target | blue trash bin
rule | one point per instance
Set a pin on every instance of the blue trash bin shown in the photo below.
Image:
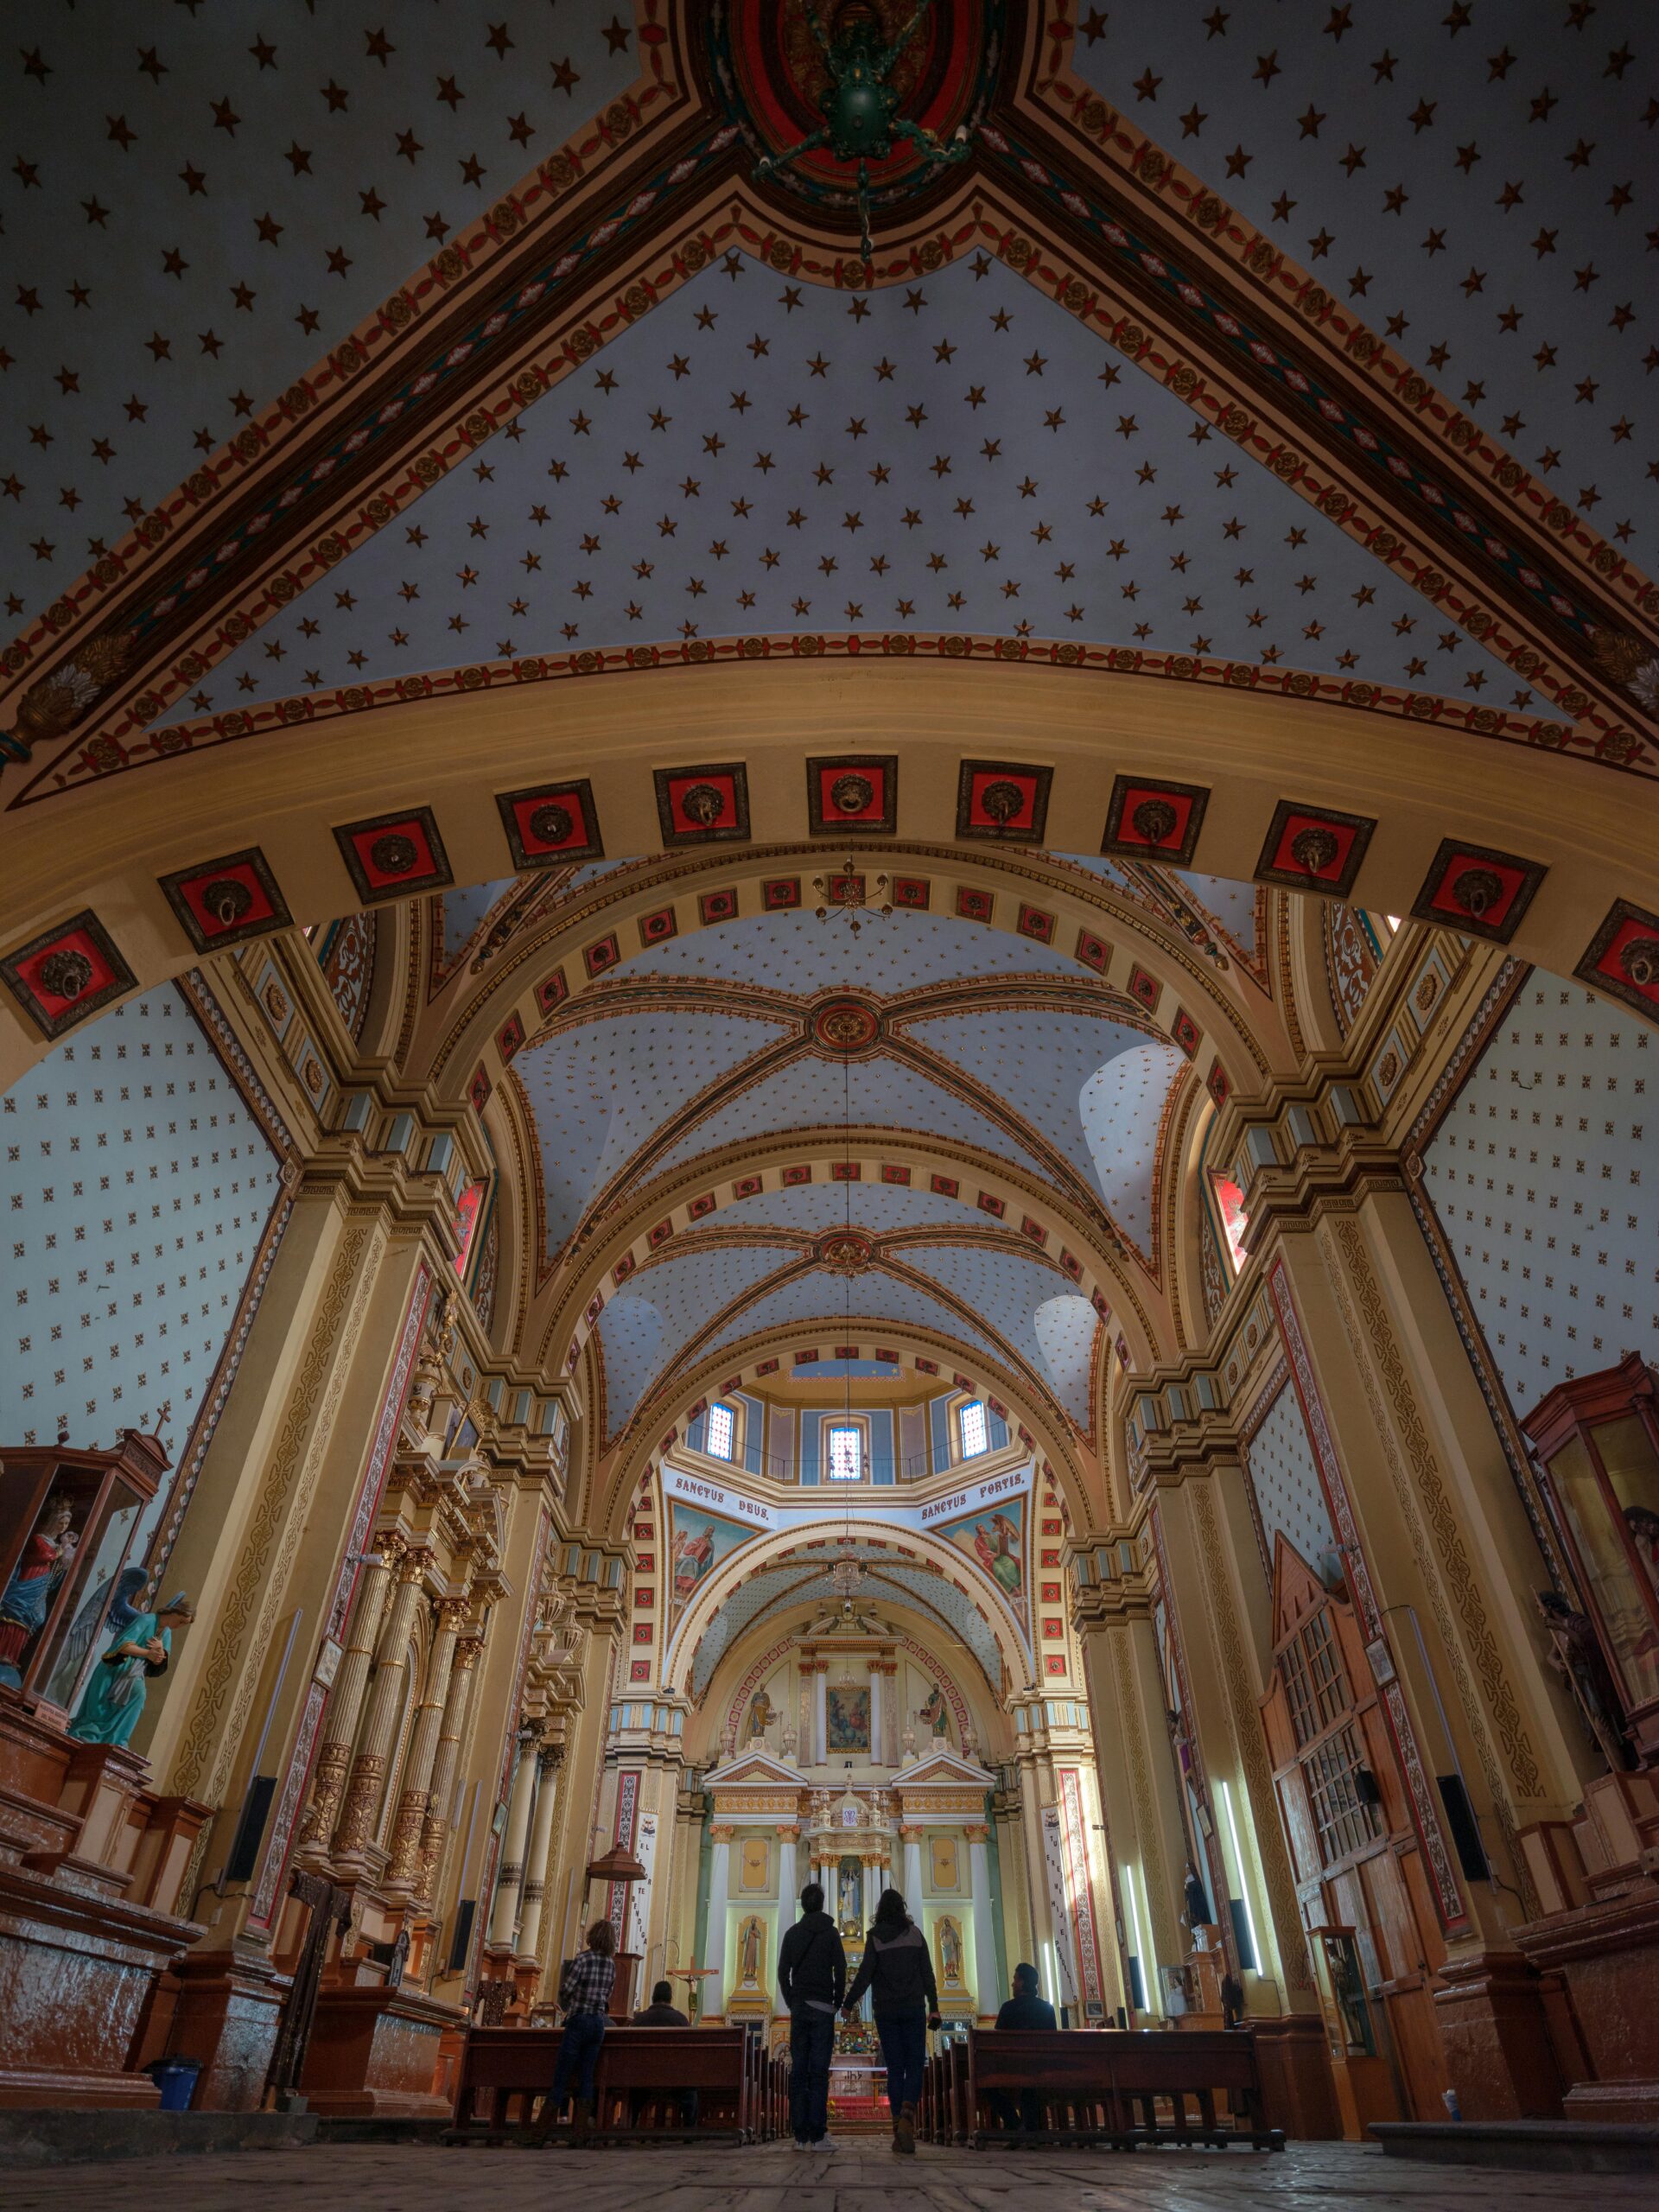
(176, 2080)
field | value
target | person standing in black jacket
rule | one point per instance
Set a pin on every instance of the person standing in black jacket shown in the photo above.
(811, 1980)
(897, 1971)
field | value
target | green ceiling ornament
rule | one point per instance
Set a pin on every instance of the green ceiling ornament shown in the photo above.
(859, 122)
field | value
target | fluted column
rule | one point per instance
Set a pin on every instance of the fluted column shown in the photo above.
(786, 1840)
(884, 1732)
(911, 1839)
(820, 1713)
(386, 1694)
(549, 1760)
(720, 1875)
(514, 1844)
(986, 1991)
(415, 1799)
(344, 1705)
(462, 1676)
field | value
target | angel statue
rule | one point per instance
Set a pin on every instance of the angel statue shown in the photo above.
(141, 1644)
(859, 107)
(109, 1606)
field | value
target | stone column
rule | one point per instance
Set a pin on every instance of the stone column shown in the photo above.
(820, 1718)
(344, 1705)
(911, 1839)
(786, 1840)
(720, 1876)
(871, 1884)
(987, 1995)
(884, 1730)
(387, 1692)
(549, 1760)
(415, 1799)
(511, 1874)
(462, 1676)
(807, 1748)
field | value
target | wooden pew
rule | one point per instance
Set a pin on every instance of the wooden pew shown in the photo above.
(1113, 2087)
(505, 2071)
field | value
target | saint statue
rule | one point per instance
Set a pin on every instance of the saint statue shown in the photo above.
(934, 1715)
(762, 1713)
(29, 1596)
(115, 1697)
(748, 1954)
(1575, 1655)
(950, 1954)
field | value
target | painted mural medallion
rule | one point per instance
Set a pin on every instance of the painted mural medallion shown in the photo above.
(846, 1024)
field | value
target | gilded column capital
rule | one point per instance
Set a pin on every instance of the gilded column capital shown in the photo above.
(977, 1832)
(723, 1832)
(468, 1652)
(391, 1544)
(416, 1565)
(788, 1830)
(453, 1614)
(911, 1832)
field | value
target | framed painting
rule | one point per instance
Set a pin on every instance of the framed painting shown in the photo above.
(847, 1718)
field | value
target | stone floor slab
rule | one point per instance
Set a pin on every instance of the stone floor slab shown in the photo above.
(863, 2176)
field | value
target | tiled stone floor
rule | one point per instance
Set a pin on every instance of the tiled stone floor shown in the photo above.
(864, 2176)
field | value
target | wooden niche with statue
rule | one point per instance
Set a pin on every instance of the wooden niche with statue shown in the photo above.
(90, 1858)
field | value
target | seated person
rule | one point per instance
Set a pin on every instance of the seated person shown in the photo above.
(1025, 2009)
(661, 2012)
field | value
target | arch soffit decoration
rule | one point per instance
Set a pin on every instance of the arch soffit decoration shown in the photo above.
(775, 1548)
(1013, 200)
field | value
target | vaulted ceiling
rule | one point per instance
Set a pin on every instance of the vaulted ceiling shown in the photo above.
(716, 1044)
(368, 366)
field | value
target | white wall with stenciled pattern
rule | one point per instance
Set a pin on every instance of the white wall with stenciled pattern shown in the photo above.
(136, 1185)
(1289, 1497)
(1544, 1174)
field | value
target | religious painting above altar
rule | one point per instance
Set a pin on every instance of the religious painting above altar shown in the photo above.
(847, 1719)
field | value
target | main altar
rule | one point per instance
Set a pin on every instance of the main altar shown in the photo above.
(838, 1767)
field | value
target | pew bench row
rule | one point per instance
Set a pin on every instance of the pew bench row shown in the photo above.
(1098, 2087)
(643, 2083)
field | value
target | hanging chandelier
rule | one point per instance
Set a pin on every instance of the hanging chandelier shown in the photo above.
(848, 890)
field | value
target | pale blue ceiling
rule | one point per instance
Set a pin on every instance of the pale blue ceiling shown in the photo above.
(962, 465)
(1477, 182)
(657, 1310)
(200, 203)
(600, 1090)
(465, 909)
(1010, 1289)
(903, 952)
(820, 1302)
(1042, 1060)
(876, 1207)
(809, 1093)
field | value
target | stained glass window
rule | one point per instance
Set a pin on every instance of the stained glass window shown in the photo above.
(723, 1432)
(976, 1434)
(846, 1455)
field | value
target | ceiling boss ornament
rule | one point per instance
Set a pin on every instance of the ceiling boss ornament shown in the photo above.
(891, 90)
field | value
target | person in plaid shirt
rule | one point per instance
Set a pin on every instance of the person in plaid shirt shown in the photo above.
(584, 1998)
